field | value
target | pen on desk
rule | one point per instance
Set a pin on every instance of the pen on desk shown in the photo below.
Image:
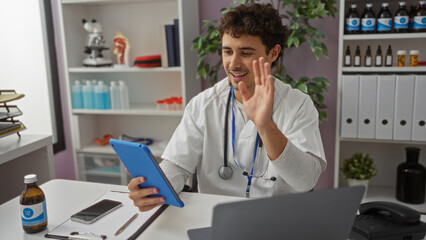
(126, 224)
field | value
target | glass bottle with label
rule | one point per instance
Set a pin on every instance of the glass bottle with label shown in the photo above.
(419, 24)
(400, 22)
(348, 58)
(378, 59)
(33, 206)
(384, 19)
(368, 58)
(389, 58)
(368, 19)
(352, 20)
(410, 183)
(357, 57)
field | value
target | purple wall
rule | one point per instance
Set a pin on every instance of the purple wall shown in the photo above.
(294, 59)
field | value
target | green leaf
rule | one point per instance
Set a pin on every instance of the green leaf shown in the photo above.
(302, 87)
(294, 26)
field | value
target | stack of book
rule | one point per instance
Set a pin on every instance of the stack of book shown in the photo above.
(170, 56)
(8, 124)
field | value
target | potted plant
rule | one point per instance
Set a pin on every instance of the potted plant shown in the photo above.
(298, 16)
(359, 169)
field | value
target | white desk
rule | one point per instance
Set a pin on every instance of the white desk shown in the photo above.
(20, 156)
(65, 197)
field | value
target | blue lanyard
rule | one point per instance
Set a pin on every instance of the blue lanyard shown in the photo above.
(249, 176)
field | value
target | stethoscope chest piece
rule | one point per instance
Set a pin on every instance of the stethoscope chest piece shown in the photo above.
(225, 172)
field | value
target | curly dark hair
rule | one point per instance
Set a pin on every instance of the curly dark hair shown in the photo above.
(256, 19)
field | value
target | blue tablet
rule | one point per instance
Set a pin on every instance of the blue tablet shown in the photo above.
(138, 160)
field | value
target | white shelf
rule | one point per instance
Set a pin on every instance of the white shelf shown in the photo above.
(384, 69)
(91, 2)
(387, 36)
(388, 194)
(123, 70)
(139, 109)
(157, 148)
(381, 141)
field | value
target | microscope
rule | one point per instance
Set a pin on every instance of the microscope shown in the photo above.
(94, 45)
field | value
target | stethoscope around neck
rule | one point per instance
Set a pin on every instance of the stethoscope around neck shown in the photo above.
(225, 171)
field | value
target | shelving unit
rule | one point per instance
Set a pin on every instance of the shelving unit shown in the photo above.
(387, 154)
(140, 21)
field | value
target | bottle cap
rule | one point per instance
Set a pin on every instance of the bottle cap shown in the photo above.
(353, 5)
(401, 52)
(30, 178)
(357, 51)
(348, 51)
(369, 5)
(385, 4)
(113, 83)
(422, 2)
(414, 52)
(77, 82)
(379, 50)
(401, 3)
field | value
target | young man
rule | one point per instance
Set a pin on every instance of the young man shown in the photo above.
(250, 134)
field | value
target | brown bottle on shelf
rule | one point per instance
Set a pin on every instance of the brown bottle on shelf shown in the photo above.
(389, 58)
(357, 57)
(419, 24)
(368, 62)
(347, 62)
(379, 58)
(410, 182)
(33, 206)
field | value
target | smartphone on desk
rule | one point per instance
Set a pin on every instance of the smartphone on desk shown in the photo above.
(95, 211)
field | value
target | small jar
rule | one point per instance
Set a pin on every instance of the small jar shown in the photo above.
(401, 58)
(414, 58)
(160, 104)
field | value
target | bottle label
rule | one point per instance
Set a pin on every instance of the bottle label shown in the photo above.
(357, 61)
(347, 60)
(35, 214)
(419, 22)
(400, 22)
(388, 60)
(352, 24)
(368, 24)
(368, 61)
(378, 60)
(384, 24)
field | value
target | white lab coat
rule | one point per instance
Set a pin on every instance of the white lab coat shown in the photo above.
(198, 144)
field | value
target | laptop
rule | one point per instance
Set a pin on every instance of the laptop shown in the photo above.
(321, 214)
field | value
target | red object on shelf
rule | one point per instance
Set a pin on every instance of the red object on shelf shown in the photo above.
(421, 63)
(104, 140)
(148, 61)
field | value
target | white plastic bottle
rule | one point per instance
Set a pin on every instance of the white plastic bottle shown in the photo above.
(88, 96)
(77, 95)
(124, 95)
(102, 96)
(114, 91)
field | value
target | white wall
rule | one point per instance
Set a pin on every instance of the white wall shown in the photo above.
(23, 64)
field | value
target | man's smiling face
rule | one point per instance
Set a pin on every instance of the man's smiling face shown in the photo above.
(238, 55)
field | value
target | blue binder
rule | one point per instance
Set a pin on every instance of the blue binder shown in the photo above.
(138, 160)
